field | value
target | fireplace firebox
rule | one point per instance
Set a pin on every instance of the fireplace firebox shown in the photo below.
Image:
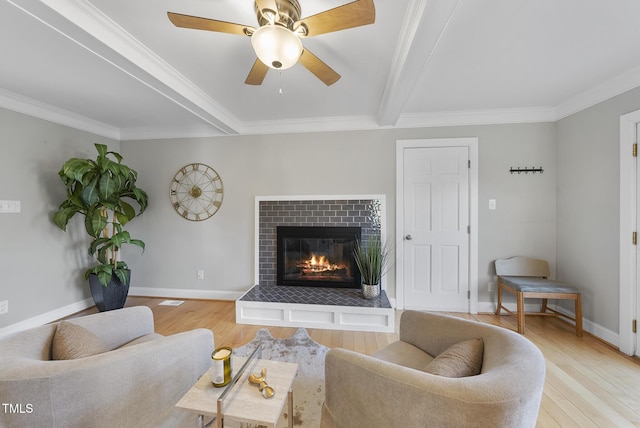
(317, 256)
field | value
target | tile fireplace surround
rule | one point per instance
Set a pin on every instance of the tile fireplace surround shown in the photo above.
(313, 307)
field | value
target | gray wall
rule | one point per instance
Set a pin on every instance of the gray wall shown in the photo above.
(41, 266)
(345, 163)
(588, 217)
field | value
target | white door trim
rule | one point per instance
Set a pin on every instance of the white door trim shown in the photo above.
(628, 219)
(472, 144)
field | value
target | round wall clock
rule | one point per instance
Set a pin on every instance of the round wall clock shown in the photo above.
(196, 192)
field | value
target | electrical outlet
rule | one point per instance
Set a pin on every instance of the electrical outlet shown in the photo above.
(4, 307)
(200, 274)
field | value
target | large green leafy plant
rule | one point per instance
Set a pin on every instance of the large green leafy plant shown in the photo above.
(101, 190)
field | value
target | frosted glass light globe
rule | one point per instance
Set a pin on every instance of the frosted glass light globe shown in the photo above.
(276, 46)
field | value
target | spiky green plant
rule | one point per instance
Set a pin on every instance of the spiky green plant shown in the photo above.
(372, 260)
(100, 191)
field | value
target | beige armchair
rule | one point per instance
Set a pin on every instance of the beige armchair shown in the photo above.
(135, 383)
(388, 389)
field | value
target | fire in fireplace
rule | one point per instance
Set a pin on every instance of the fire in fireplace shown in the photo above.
(317, 256)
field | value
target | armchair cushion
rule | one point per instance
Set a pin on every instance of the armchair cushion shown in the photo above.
(72, 341)
(404, 354)
(459, 360)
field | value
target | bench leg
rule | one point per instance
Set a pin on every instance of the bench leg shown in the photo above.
(543, 307)
(499, 298)
(578, 309)
(520, 309)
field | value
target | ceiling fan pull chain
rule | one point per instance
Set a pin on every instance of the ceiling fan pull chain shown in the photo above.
(280, 82)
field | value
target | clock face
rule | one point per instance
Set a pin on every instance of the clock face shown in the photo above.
(196, 192)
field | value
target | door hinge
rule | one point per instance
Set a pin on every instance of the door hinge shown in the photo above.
(469, 164)
(468, 294)
(469, 230)
(634, 238)
(634, 326)
(635, 150)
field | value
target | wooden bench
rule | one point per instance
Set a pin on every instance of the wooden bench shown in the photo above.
(528, 278)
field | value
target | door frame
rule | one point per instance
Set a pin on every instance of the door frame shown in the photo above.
(628, 224)
(472, 144)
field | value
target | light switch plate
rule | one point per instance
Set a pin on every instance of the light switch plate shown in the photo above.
(9, 206)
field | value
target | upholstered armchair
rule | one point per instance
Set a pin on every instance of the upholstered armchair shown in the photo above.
(103, 370)
(396, 387)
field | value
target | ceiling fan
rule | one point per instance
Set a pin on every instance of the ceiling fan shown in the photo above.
(277, 42)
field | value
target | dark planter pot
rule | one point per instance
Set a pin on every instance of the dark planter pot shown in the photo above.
(111, 297)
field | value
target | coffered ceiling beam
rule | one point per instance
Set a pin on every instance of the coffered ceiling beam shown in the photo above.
(425, 24)
(82, 23)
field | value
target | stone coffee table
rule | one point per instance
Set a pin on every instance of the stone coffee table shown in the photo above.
(241, 401)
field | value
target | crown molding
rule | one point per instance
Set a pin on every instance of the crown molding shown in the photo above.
(602, 92)
(31, 107)
(135, 134)
(320, 124)
(477, 117)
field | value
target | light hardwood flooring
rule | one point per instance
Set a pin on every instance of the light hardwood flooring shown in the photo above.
(588, 382)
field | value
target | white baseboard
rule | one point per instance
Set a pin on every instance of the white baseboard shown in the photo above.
(179, 293)
(67, 310)
(47, 317)
(602, 333)
(597, 330)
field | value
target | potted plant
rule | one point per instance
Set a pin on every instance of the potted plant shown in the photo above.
(101, 190)
(372, 260)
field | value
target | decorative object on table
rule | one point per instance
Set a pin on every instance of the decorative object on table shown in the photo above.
(308, 384)
(276, 41)
(196, 192)
(221, 366)
(261, 382)
(372, 259)
(102, 190)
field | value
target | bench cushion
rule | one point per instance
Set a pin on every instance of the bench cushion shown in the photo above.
(536, 285)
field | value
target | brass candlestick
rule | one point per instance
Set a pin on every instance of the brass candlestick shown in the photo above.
(263, 387)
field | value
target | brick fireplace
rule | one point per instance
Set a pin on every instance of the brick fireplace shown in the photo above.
(360, 213)
(338, 308)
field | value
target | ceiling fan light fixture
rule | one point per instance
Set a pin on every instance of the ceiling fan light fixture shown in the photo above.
(276, 46)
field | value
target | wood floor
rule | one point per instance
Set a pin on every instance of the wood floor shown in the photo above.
(588, 383)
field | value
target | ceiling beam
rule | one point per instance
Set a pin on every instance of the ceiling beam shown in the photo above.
(84, 24)
(425, 23)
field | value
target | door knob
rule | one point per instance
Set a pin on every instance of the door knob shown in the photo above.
(408, 237)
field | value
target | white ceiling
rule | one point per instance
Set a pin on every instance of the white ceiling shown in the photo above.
(119, 68)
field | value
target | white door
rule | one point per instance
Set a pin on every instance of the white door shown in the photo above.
(436, 228)
(636, 315)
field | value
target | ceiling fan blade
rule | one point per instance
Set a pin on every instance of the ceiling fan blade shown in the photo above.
(270, 5)
(321, 70)
(257, 73)
(354, 14)
(198, 23)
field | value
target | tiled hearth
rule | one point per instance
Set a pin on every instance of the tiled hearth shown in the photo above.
(313, 307)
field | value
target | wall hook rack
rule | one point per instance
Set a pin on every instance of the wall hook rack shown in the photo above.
(526, 170)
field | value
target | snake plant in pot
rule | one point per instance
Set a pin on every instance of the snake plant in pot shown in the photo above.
(101, 191)
(372, 260)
